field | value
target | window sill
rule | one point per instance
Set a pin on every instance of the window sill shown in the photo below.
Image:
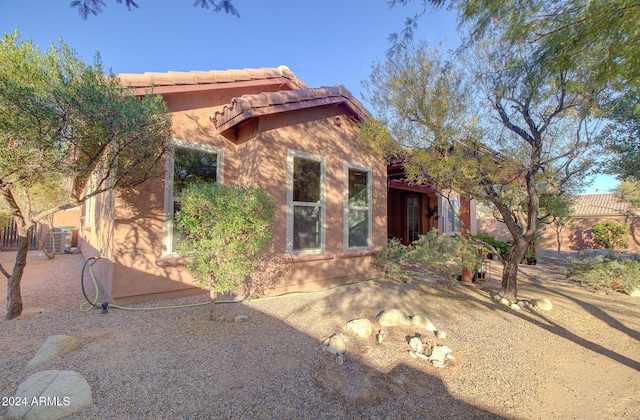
(307, 257)
(170, 261)
(357, 253)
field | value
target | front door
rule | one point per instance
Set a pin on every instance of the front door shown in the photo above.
(412, 218)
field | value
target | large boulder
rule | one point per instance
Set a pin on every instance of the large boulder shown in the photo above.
(422, 322)
(55, 346)
(393, 318)
(334, 345)
(51, 395)
(361, 327)
(543, 304)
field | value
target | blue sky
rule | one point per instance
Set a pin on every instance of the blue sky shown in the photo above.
(323, 42)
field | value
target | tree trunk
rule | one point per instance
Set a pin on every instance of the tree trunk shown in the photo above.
(559, 238)
(14, 298)
(509, 290)
(212, 294)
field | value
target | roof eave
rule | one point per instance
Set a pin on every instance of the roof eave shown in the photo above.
(225, 127)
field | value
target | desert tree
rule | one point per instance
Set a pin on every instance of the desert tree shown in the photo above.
(95, 7)
(62, 124)
(558, 212)
(492, 124)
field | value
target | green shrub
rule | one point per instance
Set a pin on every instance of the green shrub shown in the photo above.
(390, 259)
(611, 235)
(501, 247)
(606, 273)
(446, 255)
(225, 227)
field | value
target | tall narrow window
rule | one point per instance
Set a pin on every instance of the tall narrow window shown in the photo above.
(413, 219)
(357, 207)
(187, 163)
(305, 202)
(451, 211)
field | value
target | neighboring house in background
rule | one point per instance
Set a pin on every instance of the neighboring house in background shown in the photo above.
(266, 128)
(589, 210)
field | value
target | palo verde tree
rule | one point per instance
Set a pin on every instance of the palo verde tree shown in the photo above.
(493, 125)
(62, 124)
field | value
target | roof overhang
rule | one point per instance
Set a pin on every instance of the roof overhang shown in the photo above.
(248, 107)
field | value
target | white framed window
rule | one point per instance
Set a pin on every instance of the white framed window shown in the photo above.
(186, 163)
(450, 215)
(89, 205)
(306, 208)
(357, 207)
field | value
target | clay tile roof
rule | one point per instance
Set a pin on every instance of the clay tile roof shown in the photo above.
(600, 205)
(173, 78)
(249, 106)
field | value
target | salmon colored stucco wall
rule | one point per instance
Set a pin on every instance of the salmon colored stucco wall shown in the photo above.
(131, 268)
(329, 133)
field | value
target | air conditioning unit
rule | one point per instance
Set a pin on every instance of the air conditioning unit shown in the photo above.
(62, 240)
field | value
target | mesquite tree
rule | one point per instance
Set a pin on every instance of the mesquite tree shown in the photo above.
(492, 125)
(62, 124)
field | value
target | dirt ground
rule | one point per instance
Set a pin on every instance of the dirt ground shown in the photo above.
(580, 360)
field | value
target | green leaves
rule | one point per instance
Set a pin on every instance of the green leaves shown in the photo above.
(225, 228)
(62, 121)
(611, 235)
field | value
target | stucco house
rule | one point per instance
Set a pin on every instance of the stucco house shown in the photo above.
(263, 127)
(415, 209)
(266, 128)
(588, 209)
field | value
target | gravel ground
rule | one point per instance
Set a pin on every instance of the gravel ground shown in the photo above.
(579, 360)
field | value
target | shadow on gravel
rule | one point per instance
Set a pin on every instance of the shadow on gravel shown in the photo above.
(177, 364)
(555, 267)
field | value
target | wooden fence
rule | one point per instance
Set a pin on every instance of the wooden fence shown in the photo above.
(9, 236)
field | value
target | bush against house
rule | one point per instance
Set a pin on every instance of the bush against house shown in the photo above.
(611, 235)
(446, 256)
(225, 227)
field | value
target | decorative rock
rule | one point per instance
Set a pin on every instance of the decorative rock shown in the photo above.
(515, 307)
(441, 334)
(340, 359)
(634, 292)
(334, 345)
(393, 318)
(437, 354)
(413, 354)
(524, 304)
(542, 304)
(420, 321)
(241, 318)
(496, 297)
(380, 336)
(360, 327)
(438, 363)
(444, 349)
(55, 346)
(416, 344)
(52, 395)
(504, 301)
